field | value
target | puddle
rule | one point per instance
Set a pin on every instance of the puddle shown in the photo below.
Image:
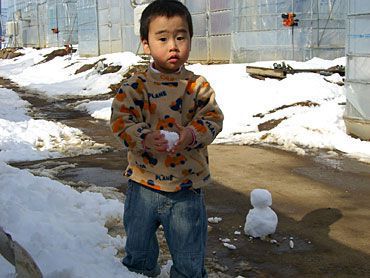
(337, 170)
(341, 162)
(220, 209)
(94, 175)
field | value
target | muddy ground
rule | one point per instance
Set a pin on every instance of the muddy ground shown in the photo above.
(322, 201)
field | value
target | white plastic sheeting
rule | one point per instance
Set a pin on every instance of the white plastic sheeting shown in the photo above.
(88, 44)
(357, 113)
(106, 27)
(212, 21)
(258, 33)
(62, 15)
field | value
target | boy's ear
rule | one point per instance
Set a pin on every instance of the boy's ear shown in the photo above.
(146, 47)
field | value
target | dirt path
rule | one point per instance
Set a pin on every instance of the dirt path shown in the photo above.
(323, 202)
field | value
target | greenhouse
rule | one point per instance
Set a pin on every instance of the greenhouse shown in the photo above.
(224, 30)
(357, 114)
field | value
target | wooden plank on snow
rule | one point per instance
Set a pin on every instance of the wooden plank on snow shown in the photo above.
(266, 72)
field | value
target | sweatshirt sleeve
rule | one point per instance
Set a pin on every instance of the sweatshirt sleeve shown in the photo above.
(127, 121)
(208, 118)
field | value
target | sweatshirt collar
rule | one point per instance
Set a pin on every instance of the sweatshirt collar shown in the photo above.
(157, 71)
(156, 75)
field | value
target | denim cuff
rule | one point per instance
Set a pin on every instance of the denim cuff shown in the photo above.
(150, 273)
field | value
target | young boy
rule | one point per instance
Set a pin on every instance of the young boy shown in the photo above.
(164, 185)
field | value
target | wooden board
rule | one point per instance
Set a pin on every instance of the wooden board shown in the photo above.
(281, 73)
(260, 71)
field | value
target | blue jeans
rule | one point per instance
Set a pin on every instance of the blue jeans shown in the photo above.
(183, 217)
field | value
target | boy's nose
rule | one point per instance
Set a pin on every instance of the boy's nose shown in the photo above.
(173, 45)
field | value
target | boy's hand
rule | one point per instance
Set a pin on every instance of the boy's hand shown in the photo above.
(185, 138)
(155, 141)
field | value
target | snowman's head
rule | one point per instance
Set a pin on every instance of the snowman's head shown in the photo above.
(261, 198)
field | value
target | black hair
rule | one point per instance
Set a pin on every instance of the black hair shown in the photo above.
(167, 8)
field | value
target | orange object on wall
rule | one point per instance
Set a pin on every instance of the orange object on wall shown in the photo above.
(289, 19)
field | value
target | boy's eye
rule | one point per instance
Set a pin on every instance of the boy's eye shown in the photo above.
(162, 39)
(180, 38)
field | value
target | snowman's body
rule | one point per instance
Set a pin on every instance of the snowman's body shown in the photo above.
(261, 220)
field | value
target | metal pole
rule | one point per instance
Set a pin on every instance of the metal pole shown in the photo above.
(38, 25)
(293, 32)
(15, 27)
(56, 16)
(312, 28)
(318, 23)
(208, 31)
(1, 25)
(97, 26)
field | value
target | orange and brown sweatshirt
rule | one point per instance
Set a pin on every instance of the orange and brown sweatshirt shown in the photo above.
(151, 101)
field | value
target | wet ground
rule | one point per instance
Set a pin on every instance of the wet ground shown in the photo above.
(322, 200)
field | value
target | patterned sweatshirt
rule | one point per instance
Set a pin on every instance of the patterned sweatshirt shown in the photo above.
(151, 101)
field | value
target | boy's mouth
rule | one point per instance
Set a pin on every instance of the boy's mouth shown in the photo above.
(173, 59)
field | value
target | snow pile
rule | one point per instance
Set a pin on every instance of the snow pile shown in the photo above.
(23, 138)
(12, 107)
(214, 220)
(62, 229)
(57, 77)
(97, 109)
(302, 127)
(40, 139)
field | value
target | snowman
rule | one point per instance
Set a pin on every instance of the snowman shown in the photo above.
(261, 220)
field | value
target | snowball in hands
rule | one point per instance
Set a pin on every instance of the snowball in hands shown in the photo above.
(261, 220)
(171, 137)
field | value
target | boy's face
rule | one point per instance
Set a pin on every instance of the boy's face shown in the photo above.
(168, 43)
